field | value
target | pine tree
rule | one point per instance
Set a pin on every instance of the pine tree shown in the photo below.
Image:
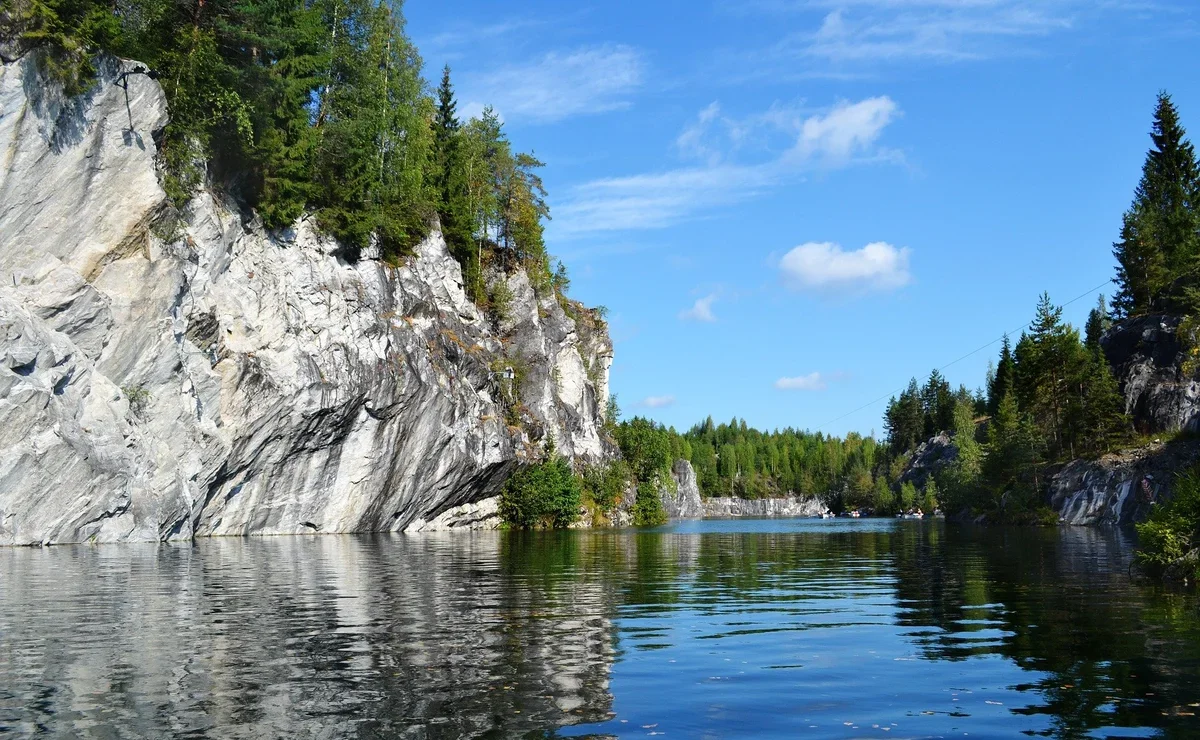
(1160, 233)
(938, 405)
(904, 419)
(1098, 322)
(1103, 421)
(1013, 453)
(1004, 379)
(962, 477)
(1047, 360)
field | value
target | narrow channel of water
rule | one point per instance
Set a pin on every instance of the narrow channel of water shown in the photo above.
(721, 629)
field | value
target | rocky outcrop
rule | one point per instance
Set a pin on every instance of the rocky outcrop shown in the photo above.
(930, 458)
(165, 378)
(1122, 487)
(684, 502)
(764, 507)
(1147, 360)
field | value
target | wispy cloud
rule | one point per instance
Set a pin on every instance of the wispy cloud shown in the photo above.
(701, 310)
(561, 85)
(463, 34)
(826, 267)
(870, 31)
(811, 382)
(838, 136)
(656, 402)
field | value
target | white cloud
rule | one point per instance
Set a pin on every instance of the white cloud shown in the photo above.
(811, 382)
(825, 266)
(872, 31)
(701, 310)
(846, 133)
(561, 85)
(848, 129)
(657, 402)
(694, 142)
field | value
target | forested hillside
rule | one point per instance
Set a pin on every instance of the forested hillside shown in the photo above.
(294, 106)
(1049, 398)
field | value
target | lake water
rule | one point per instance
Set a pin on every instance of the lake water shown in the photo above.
(713, 629)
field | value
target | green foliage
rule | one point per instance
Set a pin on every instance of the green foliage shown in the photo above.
(883, 501)
(500, 302)
(612, 414)
(930, 499)
(646, 447)
(1173, 528)
(603, 486)
(962, 478)
(138, 397)
(311, 104)
(1004, 379)
(1160, 233)
(908, 496)
(905, 420)
(546, 494)
(733, 459)
(647, 507)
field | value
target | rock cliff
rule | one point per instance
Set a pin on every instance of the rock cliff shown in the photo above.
(1122, 487)
(684, 502)
(1147, 360)
(1160, 398)
(165, 376)
(764, 507)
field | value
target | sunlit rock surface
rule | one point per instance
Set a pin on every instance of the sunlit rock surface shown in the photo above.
(1122, 487)
(1147, 360)
(764, 507)
(164, 379)
(684, 502)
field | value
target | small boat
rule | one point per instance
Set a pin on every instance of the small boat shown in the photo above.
(855, 514)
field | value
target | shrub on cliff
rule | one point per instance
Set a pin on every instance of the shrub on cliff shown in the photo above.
(603, 485)
(647, 507)
(1173, 530)
(543, 495)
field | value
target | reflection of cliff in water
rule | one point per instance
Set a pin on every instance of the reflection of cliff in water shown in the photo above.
(305, 637)
(1060, 603)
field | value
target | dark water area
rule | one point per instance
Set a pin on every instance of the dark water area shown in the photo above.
(714, 629)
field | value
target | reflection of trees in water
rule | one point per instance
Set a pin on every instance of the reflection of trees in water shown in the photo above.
(504, 634)
(1059, 602)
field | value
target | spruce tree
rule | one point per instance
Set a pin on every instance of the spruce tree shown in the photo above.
(938, 405)
(1160, 233)
(1103, 421)
(1004, 379)
(1098, 322)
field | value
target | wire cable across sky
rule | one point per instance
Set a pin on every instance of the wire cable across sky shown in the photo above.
(976, 351)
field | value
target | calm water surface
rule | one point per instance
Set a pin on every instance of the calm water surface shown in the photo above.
(715, 629)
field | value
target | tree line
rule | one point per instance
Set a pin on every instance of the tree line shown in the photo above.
(317, 106)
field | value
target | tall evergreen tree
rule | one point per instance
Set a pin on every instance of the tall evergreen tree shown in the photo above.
(938, 405)
(1098, 322)
(1002, 382)
(1160, 233)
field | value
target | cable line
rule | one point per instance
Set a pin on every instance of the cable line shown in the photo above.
(1022, 327)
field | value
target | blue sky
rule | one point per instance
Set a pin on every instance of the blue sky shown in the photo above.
(791, 207)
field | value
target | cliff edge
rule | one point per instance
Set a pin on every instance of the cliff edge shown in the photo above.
(170, 375)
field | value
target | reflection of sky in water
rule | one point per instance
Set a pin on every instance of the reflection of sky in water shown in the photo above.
(731, 628)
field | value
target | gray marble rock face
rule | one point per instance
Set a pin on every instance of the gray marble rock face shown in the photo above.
(1122, 487)
(163, 381)
(1147, 359)
(800, 506)
(930, 458)
(684, 502)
